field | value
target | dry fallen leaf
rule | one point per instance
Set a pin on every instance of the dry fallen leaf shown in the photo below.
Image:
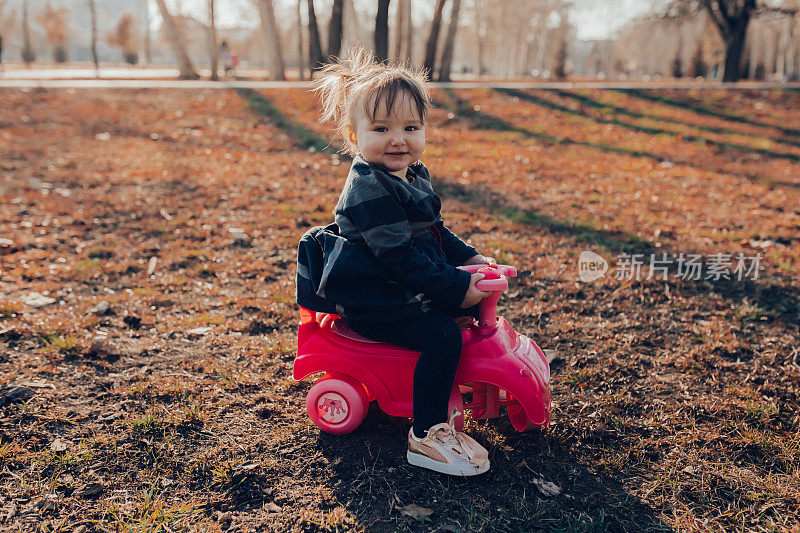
(415, 511)
(58, 445)
(546, 488)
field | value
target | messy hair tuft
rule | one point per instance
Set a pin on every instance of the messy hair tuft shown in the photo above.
(345, 84)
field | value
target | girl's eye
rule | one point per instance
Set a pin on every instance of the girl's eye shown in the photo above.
(380, 129)
(411, 128)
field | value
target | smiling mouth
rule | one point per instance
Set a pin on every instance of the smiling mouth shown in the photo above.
(396, 154)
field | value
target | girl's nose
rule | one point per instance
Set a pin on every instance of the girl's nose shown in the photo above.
(397, 138)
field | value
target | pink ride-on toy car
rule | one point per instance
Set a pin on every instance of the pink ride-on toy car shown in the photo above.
(499, 366)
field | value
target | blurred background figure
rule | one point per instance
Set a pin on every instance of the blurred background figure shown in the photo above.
(227, 58)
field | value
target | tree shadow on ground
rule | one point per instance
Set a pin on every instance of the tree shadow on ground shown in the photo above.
(693, 106)
(374, 479)
(778, 300)
(599, 104)
(486, 121)
(543, 102)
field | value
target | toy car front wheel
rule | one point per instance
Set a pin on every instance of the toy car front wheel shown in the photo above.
(337, 404)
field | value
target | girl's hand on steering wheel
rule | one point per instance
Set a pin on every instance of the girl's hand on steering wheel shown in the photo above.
(474, 295)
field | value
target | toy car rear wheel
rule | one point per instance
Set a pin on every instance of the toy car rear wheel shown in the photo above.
(337, 404)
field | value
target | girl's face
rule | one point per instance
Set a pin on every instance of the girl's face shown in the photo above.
(395, 139)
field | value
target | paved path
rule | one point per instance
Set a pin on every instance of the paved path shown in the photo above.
(202, 84)
(112, 77)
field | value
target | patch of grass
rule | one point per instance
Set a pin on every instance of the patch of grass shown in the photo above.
(204, 319)
(233, 380)
(750, 311)
(192, 416)
(580, 378)
(68, 345)
(87, 268)
(151, 425)
(151, 512)
(224, 472)
(9, 309)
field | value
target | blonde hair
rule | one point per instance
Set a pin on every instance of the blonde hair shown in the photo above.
(359, 79)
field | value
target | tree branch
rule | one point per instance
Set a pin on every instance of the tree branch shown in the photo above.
(719, 18)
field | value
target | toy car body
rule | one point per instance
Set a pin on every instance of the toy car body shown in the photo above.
(498, 366)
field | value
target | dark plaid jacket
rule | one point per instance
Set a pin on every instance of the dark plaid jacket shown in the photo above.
(388, 256)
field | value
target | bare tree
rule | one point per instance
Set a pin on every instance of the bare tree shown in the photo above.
(213, 48)
(7, 22)
(316, 59)
(560, 61)
(28, 55)
(382, 31)
(731, 18)
(54, 23)
(147, 57)
(447, 53)
(353, 30)
(409, 31)
(123, 37)
(335, 28)
(481, 36)
(93, 14)
(270, 26)
(399, 31)
(300, 55)
(698, 67)
(185, 65)
(433, 39)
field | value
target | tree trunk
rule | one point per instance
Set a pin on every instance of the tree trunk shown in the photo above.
(28, 56)
(382, 31)
(301, 76)
(277, 70)
(213, 48)
(409, 32)
(185, 66)
(93, 14)
(734, 45)
(731, 18)
(352, 34)
(147, 56)
(479, 11)
(335, 29)
(433, 40)
(316, 59)
(449, 41)
(399, 32)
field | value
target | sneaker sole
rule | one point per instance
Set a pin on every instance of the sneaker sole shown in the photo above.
(422, 461)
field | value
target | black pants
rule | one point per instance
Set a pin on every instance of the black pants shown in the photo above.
(438, 338)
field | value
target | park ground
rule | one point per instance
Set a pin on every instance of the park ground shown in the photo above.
(675, 401)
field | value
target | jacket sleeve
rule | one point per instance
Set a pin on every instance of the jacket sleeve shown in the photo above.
(373, 207)
(456, 250)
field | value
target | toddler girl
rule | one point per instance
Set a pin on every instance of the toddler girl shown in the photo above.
(393, 276)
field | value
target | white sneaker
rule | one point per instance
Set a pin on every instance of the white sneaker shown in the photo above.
(447, 451)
